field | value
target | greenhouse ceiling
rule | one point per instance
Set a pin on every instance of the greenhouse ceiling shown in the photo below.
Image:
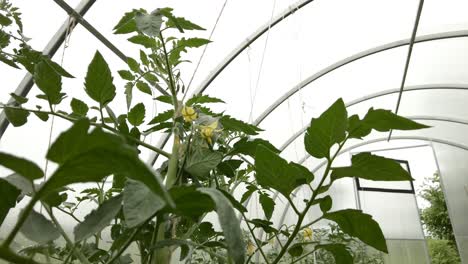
(268, 69)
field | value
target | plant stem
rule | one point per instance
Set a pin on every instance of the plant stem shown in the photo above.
(125, 245)
(9, 256)
(302, 215)
(70, 243)
(259, 246)
(134, 140)
(169, 72)
(24, 214)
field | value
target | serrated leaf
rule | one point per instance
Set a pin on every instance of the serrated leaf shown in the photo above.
(203, 99)
(5, 21)
(43, 116)
(229, 223)
(165, 99)
(98, 219)
(144, 58)
(268, 205)
(48, 81)
(178, 22)
(98, 81)
(149, 24)
(236, 204)
(145, 41)
(384, 120)
(229, 167)
(235, 125)
(249, 147)
(139, 203)
(263, 224)
(79, 107)
(19, 99)
(250, 190)
(202, 161)
(161, 117)
(160, 126)
(339, 251)
(89, 157)
(274, 172)
(126, 75)
(190, 202)
(25, 168)
(39, 229)
(360, 225)
(127, 23)
(143, 87)
(136, 116)
(372, 167)
(133, 64)
(326, 130)
(296, 250)
(9, 196)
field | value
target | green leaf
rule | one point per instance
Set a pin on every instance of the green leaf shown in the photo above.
(360, 225)
(144, 58)
(179, 22)
(19, 99)
(21, 166)
(268, 205)
(89, 157)
(143, 40)
(48, 81)
(202, 99)
(149, 24)
(190, 202)
(274, 172)
(249, 147)
(384, 120)
(127, 23)
(326, 203)
(126, 75)
(250, 190)
(39, 229)
(143, 87)
(339, 251)
(263, 224)
(183, 244)
(98, 219)
(57, 68)
(326, 130)
(78, 107)
(43, 116)
(236, 125)
(160, 126)
(229, 167)
(161, 117)
(202, 161)
(372, 167)
(133, 64)
(98, 81)
(238, 206)
(9, 196)
(356, 128)
(136, 116)
(165, 99)
(296, 250)
(5, 21)
(139, 203)
(229, 223)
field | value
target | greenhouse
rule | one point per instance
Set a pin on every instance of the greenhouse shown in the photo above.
(293, 131)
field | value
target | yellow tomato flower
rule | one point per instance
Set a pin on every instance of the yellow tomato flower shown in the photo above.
(189, 114)
(207, 131)
(250, 248)
(308, 233)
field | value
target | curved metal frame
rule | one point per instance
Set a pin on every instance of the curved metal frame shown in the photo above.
(324, 71)
(384, 93)
(357, 56)
(428, 139)
(249, 40)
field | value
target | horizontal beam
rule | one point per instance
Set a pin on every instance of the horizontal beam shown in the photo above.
(384, 93)
(355, 57)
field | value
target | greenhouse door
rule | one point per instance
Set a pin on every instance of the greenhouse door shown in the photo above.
(394, 206)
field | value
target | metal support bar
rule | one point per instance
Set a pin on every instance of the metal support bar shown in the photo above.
(393, 91)
(428, 139)
(54, 44)
(355, 57)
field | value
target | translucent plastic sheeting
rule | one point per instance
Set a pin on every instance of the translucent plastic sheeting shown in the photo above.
(406, 252)
(453, 166)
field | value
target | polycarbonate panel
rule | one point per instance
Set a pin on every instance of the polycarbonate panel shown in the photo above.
(406, 252)
(453, 165)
